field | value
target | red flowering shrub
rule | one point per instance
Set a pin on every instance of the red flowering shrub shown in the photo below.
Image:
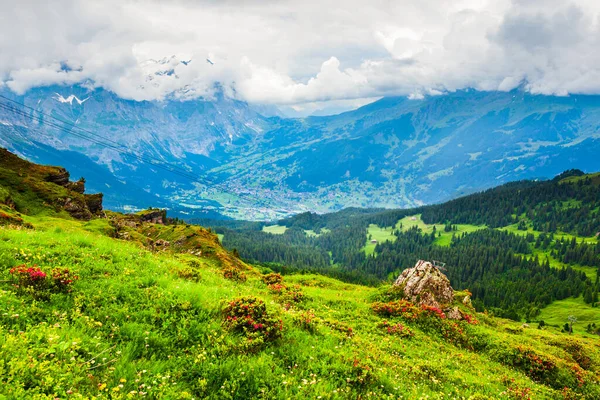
(399, 308)
(470, 319)
(293, 294)
(62, 279)
(340, 327)
(272, 279)
(38, 283)
(396, 329)
(277, 288)
(234, 274)
(288, 294)
(249, 317)
(536, 366)
(433, 320)
(32, 277)
(362, 373)
(434, 311)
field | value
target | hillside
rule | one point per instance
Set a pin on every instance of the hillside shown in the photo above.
(392, 153)
(124, 306)
(518, 247)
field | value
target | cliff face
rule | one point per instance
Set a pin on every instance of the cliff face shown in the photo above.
(31, 189)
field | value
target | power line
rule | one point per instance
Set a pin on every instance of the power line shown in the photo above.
(119, 148)
(99, 140)
(6, 128)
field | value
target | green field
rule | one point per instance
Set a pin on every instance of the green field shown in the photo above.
(275, 229)
(386, 234)
(220, 236)
(374, 232)
(445, 238)
(558, 312)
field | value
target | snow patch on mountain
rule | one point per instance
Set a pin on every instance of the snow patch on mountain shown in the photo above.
(69, 99)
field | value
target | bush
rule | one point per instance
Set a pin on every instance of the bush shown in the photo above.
(39, 284)
(249, 317)
(398, 308)
(189, 273)
(307, 321)
(62, 279)
(287, 294)
(29, 277)
(234, 274)
(396, 329)
(272, 279)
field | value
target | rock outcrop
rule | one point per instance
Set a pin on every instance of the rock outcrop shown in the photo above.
(424, 284)
(59, 176)
(154, 216)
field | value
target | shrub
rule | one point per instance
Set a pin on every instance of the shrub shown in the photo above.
(362, 373)
(249, 317)
(434, 311)
(39, 284)
(340, 327)
(32, 277)
(234, 274)
(272, 279)
(396, 329)
(188, 273)
(398, 308)
(287, 294)
(307, 321)
(62, 279)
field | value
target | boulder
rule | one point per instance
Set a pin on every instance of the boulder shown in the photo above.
(424, 284)
(453, 313)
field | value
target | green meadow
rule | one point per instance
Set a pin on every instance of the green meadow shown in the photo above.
(143, 323)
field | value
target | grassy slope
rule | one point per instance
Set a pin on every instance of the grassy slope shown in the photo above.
(275, 229)
(558, 312)
(379, 234)
(386, 233)
(444, 239)
(134, 323)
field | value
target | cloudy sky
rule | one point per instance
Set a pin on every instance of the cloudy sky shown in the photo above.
(301, 53)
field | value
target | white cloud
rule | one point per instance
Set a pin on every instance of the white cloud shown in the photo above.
(293, 53)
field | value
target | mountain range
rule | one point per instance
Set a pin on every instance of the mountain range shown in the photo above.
(234, 159)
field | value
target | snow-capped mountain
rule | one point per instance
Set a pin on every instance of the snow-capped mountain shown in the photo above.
(392, 153)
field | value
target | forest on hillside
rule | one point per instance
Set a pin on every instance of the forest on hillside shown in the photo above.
(509, 273)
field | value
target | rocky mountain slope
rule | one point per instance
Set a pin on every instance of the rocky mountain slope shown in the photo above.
(395, 152)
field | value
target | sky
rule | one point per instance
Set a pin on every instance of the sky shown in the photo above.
(303, 55)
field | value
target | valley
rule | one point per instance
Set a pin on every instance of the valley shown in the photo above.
(219, 157)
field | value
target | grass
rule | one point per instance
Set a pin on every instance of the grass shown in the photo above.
(445, 237)
(374, 232)
(558, 312)
(514, 229)
(149, 323)
(275, 229)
